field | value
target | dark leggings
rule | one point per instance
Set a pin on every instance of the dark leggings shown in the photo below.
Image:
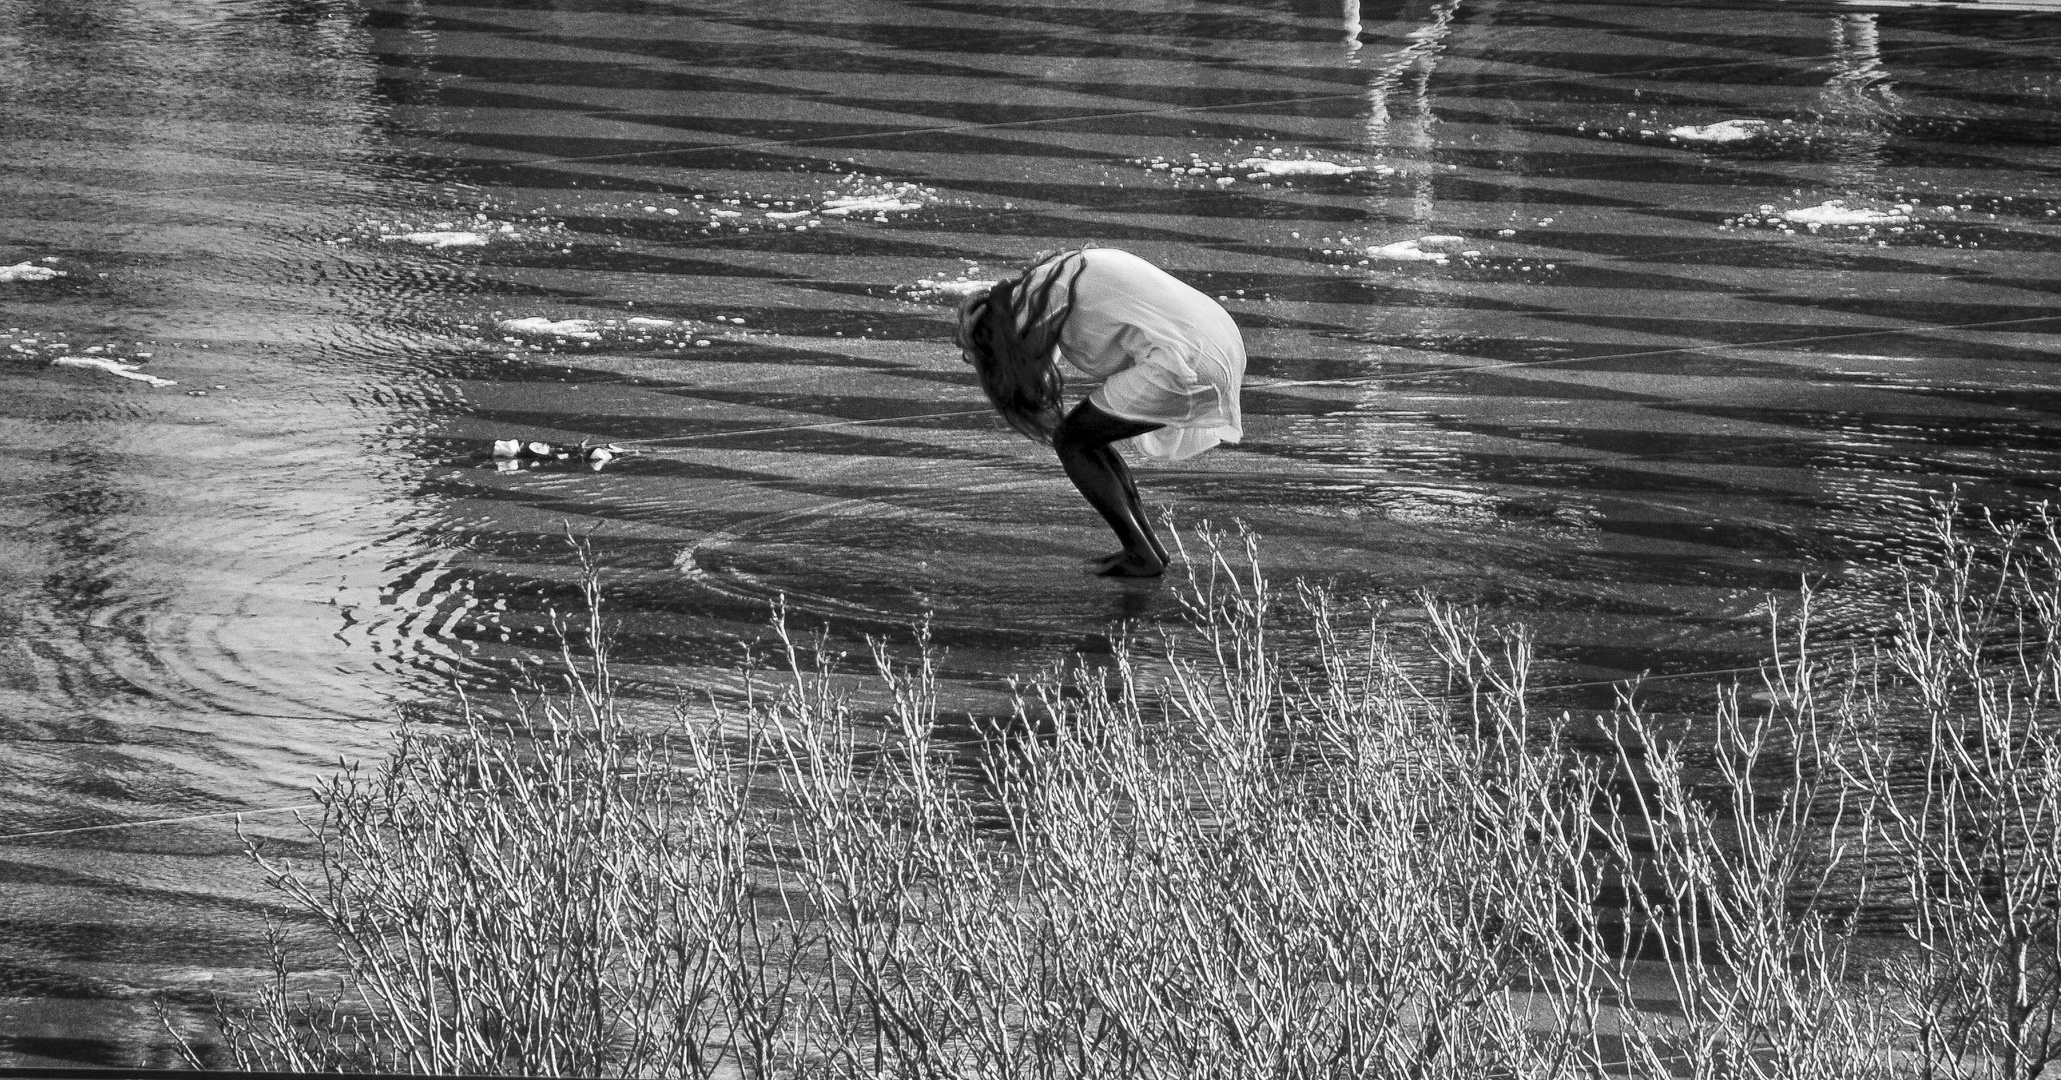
(1083, 441)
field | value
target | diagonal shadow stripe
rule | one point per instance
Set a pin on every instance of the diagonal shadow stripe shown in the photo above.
(976, 40)
(1209, 26)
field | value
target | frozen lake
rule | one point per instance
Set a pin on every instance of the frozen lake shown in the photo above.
(1722, 295)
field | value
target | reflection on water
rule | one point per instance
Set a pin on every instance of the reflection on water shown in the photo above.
(1625, 417)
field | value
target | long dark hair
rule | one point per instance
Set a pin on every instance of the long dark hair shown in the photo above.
(1009, 334)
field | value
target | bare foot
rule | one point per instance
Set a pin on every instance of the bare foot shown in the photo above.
(1125, 564)
(1103, 564)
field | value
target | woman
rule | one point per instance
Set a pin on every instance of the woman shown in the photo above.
(1170, 359)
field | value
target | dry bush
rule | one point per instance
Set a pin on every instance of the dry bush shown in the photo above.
(1275, 841)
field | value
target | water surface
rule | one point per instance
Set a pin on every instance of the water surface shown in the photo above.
(1644, 403)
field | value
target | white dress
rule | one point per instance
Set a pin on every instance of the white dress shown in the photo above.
(1166, 353)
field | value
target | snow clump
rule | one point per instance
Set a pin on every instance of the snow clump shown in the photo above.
(440, 238)
(1260, 168)
(1414, 250)
(1836, 212)
(584, 329)
(1724, 131)
(957, 290)
(28, 271)
(846, 205)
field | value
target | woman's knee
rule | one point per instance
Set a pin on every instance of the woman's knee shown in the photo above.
(1087, 428)
(1076, 433)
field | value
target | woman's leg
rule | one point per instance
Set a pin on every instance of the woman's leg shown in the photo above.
(1083, 442)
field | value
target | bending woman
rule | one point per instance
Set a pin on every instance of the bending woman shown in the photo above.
(1170, 359)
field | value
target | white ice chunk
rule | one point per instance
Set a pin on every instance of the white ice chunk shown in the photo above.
(868, 204)
(1836, 212)
(1407, 251)
(953, 288)
(639, 320)
(28, 271)
(572, 328)
(440, 238)
(1279, 167)
(1724, 131)
(112, 367)
(787, 215)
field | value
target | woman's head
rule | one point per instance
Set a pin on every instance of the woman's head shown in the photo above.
(1009, 333)
(972, 336)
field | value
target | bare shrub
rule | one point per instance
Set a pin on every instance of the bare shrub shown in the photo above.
(1276, 840)
(557, 895)
(1964, 776)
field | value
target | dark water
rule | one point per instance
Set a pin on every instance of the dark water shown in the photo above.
(1636, 409)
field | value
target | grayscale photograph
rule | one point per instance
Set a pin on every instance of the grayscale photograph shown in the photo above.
(1037, 540)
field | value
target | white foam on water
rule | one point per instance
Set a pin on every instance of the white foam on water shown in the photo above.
(28, 271)
(1413, 250)
(952, 288)
(539, 326)
(1406, 251)
(440, 238)
(1276, 165)
(868, 204)
(1280, 167)
(1836, 212)
(112, 367)
(1724, 131)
